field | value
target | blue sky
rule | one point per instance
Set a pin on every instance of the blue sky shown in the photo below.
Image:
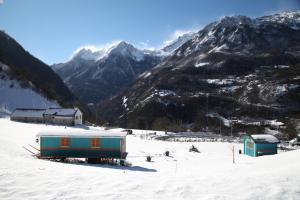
(52, 30)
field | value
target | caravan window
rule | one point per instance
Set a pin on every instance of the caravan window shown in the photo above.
(96, 143)
(65, 142)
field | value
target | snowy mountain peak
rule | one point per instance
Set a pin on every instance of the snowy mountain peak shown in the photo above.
(106, 70)
(288, 15)
(126, 49)
(175, 44)
(291, 19)
(122, 44)
(233, 20)
(88, 54)
(116, 48)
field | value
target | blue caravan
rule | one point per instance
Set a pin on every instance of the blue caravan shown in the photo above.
(82, 144)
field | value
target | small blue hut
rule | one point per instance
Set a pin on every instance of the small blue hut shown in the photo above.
(258, 145)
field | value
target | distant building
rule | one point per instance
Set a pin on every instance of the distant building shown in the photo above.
(28, 115)
(63, 116)
(60, 116)
(258, 145)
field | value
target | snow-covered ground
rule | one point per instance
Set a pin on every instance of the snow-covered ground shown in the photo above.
(184, 175)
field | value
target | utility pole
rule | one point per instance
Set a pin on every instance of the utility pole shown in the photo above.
(207, 112)
(97, 108)
(220, 126)
(231, 122)
(231, 127)
(233, 161)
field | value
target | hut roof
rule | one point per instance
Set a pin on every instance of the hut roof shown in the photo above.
(26, 112)
(264, 138)
(67, 112)
(84, 133)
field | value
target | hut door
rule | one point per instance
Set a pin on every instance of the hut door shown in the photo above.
(250, 148)
(122, 147)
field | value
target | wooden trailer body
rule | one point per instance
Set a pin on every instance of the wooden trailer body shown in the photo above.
(83, 144)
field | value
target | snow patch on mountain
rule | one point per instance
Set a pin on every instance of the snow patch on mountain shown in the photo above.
(219, 48)
(281, 66)
(220, 81)
(16, 94)
(160, 93)
(145, 74)
(163, 93)
(124, 101)
(230, 89)
(201, 64)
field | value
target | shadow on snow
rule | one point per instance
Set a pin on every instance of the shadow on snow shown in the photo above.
(114, 167)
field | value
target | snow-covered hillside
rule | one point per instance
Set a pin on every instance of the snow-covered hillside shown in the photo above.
(24, 71)
(184, 175)
(14, 94)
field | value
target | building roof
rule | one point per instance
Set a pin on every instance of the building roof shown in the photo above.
(26, 112)
(66, 112)
(264, 138)
(33, 112)
(83, 133)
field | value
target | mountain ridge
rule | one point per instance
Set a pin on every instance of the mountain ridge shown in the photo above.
(246, 68)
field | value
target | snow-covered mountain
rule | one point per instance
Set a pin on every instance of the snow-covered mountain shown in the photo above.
(244, 35)
(235, 67)
(26, 81)
(121, 48)
(94, 75)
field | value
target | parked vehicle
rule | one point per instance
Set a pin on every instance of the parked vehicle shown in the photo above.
(295, 141)
(128, 131)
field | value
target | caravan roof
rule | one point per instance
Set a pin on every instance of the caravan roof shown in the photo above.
(83, 133)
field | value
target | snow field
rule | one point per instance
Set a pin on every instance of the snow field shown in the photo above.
(184, 175)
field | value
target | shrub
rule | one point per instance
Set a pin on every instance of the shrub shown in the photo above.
(148, 158)
(167, 153)
(194, 149)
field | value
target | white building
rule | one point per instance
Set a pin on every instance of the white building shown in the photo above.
(63, 116)
(28, 115)
(60, 116)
